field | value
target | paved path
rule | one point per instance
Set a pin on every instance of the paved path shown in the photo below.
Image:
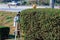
(5, 7)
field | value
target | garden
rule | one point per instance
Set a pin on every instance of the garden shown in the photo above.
(37, 24)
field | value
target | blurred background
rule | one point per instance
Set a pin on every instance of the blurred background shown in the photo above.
(30, 2)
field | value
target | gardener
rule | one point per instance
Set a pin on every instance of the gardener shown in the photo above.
(17, 24)
(17, 18)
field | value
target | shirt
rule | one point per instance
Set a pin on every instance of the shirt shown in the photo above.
(16, 19)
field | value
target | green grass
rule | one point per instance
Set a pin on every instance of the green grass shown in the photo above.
(6, 18)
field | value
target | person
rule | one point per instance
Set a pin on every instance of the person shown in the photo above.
(17, 18)
(17, 24)
(9, 6)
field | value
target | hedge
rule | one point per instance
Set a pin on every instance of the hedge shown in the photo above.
(4, 32)
(41, 24)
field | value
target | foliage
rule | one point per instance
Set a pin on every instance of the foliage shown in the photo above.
(41, 24)
(4, 32)
(8, 17)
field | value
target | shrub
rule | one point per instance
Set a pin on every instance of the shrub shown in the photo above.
(4, 32)
(8, 17)
(41, 24)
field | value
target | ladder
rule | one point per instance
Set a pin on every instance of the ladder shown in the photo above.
(17, 32)
(17, 25)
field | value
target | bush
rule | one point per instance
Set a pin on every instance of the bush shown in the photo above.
(41, 24)
(8, 17)
(4, 32)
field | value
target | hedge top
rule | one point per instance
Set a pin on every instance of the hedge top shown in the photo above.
(3, 27)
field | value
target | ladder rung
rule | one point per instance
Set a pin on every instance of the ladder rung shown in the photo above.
(18, 30)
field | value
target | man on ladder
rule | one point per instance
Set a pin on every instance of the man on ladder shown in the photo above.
(17, 26)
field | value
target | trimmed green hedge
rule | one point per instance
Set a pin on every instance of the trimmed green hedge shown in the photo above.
(41, 24)
(4, 32)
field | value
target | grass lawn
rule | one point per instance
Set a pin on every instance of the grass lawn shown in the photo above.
(6, 19)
